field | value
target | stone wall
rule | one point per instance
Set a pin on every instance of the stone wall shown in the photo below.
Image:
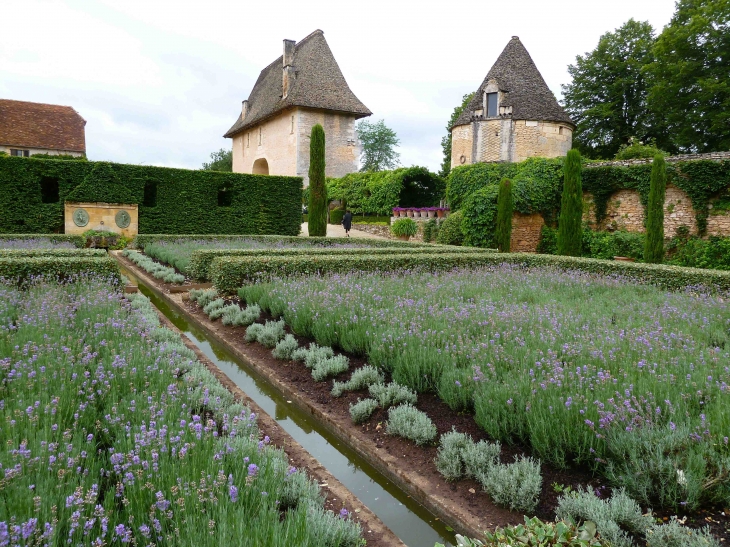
(102, 217)
(526, 232)
(273, 140)
(716, 156)
(461, 145)
(541, 139)
(384, 231)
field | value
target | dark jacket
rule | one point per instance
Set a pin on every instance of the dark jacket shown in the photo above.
(347, 220)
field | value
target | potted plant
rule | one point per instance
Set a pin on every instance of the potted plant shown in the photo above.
(440, 212)
(404, 228)
(409, 212)
(397, 211)
(431, 212)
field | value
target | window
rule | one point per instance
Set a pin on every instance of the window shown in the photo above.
(225, 197)
(492, 105)
(149, 199)
(20, 153)
(49, 190)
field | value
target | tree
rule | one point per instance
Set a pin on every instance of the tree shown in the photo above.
(317, 191)
(378, 146)
(570, 231)
(654, 242)
(446, 141)
(220, 161)
(505, 206)
(691, 86)
(607, 97)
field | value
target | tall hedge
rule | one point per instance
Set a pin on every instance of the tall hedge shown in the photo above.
(377, 193)
(570, 231)
(101, 184)
(505, 207)
(179, 201)
(317, 191)
(654, 244)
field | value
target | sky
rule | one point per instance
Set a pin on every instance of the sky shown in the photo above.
(160, 82)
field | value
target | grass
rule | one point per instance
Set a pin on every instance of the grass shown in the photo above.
(585, 369)
(114, 433)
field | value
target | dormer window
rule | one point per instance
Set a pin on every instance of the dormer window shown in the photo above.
(491, 100)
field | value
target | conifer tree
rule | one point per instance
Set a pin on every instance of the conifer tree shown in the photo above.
(505, 206)
(654, 243)
(317, 189)
(570, 230)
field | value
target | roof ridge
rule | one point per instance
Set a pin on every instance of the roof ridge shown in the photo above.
(280, 58)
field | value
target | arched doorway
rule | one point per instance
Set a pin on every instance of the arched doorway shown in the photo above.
(261, 167)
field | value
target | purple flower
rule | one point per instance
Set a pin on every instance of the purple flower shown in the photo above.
(233, 492)
(344, 513)
(252, 470)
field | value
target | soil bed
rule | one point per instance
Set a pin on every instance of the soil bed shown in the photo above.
(463, 505)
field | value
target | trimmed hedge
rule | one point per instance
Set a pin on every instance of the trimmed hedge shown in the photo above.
(145, 239)
(77, 240)
(175, 201)
(200, 261)
(229, 273)
(378, 192)
(20, 253)
(21, 270)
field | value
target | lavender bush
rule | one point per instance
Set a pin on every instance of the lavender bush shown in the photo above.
(113, 433)
(584, 368)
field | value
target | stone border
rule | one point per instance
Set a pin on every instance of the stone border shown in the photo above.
(368, 519)
(408, 480)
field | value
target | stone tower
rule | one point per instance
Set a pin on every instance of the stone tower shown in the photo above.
(301, 88)
(513, 115)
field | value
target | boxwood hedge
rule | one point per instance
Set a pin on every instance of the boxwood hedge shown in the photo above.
(77, 240)
(173, 201)
(229, 273)
(20, 253)
(142, 240)
(201, 260)
(64, 268)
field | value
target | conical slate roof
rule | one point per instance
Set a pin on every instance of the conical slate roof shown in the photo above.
(318, 83)
(524, 87)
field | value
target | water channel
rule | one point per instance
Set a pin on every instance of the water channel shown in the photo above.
(411, 522)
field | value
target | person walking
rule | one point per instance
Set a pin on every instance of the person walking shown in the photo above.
(347, 222)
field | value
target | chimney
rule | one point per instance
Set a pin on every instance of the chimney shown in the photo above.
(288, 74)
(244, 109)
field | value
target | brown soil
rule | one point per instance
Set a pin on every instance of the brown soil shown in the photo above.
(463, 499)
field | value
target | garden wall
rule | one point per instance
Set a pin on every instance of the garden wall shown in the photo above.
(171, 201)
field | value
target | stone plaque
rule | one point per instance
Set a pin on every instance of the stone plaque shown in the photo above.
(122, 219)
(80, 217)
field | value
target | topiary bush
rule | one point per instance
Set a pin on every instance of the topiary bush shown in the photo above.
(451, 232)
(654, 243)
(317, 211)
(505, 207)
(571, 207)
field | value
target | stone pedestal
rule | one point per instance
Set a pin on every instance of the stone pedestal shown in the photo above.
(119, 218)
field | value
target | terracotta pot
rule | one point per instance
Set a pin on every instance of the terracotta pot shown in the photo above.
(431, 214)
(403, 238)
(416, 214)
(410, 213)
(396, 214)
(623, 259)
(440, 213)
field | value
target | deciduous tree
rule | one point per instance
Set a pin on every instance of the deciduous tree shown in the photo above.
(220, 161)
(378, 146)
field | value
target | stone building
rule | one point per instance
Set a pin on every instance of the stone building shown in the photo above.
(301, 88)
(36, 128)
(513, 115)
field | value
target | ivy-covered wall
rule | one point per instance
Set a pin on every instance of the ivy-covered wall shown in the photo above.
(537, 188)
(171, 201)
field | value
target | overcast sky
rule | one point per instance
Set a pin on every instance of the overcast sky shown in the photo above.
(160, 82)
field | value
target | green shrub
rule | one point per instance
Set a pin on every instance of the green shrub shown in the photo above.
(392, 394)
(329, 367)
(505, 207)
(362, 410)
(617, 519)
(431, 230)
(410, 423)
(456, 389)
(336, 216)
(480, 456)
(654, 243)
(213, 306)
(637, 150)
(317, 190)
(548, 240)
(543, 534)
(607, 245)
(21, 270)
(695, 252)
(241, 317)
(253, 332)
(404, 227)
(515, 486)
(312, 355)
(360, 379)
(371, 220)
(202, 296)
(451, 232)
(285, 348)
(449, 461)
(674, 534)
(480, 217)
(571, 207)
(21, 253)
(157, 270)
(271, 334)
(200, 260)
(175, 201)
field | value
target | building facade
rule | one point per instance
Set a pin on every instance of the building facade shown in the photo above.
(512, 116)
(36, 128)
(302, 88)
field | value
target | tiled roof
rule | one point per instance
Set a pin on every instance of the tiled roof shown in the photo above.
(37, 125)
(318, 83)
(524, 87)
